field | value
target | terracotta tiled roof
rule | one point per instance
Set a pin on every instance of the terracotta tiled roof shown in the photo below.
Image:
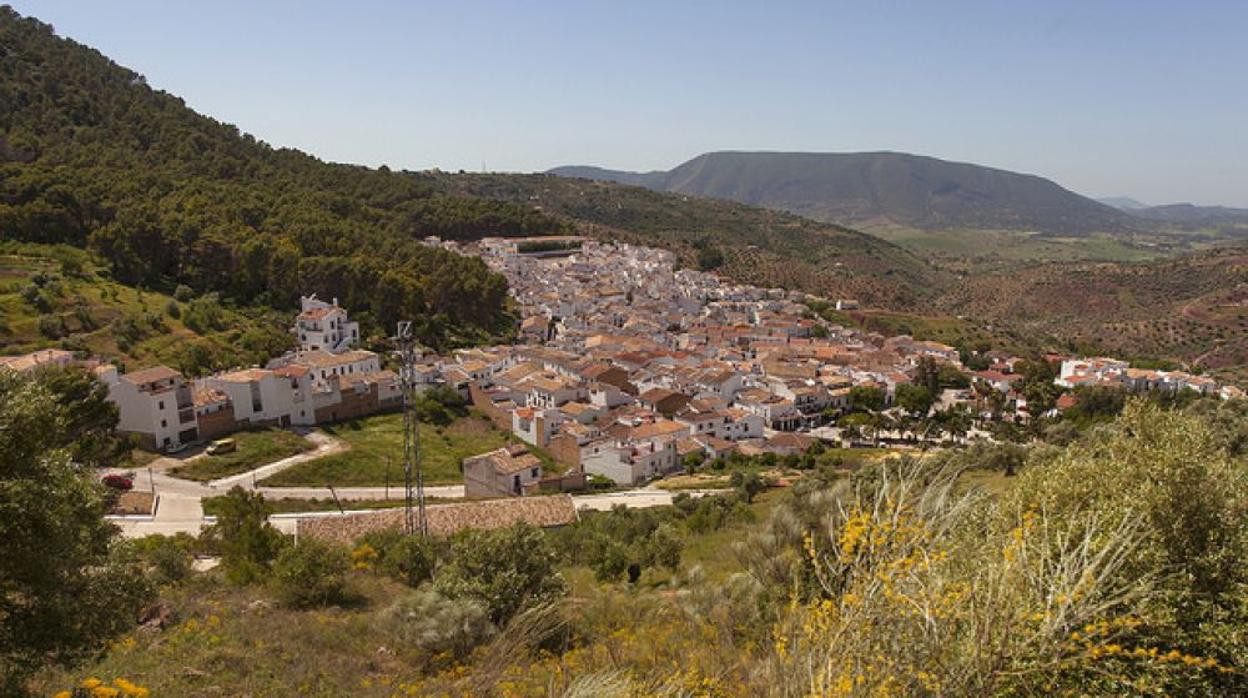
(151, 375)
(323, 359)
(208, 396)
(317, 313)
(661, 427)
(246, 375)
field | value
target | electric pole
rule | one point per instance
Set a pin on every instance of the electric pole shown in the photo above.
(414, 520)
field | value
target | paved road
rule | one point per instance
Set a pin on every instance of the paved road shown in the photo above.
(179, 508)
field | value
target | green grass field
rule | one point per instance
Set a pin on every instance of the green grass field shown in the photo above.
(1015, 246)
(255, 448)
(378, 441)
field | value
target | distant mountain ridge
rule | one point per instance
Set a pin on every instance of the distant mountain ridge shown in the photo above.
(1123, 203)
(880, 188)
(1180, 214)
(1191, 213)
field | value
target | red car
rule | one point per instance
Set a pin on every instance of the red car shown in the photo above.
(118, 482)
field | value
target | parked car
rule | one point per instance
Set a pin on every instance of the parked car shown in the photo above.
(119, 482)
(221, 446)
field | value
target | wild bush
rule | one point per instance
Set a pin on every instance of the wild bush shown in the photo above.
(431, 622)
(247, 541)
(507, 570)
(169, 558)
(310, 573)
(409, 559)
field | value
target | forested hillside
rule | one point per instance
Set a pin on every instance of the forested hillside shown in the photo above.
(92, 157)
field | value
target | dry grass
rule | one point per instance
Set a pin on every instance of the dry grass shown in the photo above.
(134, 504)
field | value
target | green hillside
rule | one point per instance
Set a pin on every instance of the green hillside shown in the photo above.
(57, 296)
(90, 156)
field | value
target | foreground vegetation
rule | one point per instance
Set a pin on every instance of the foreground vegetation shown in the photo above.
(1108, 566)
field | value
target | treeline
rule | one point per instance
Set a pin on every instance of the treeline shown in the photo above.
(92, 157)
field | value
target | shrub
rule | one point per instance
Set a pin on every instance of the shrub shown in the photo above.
(411, 560)
(183, 293)
(247, 542)
(71, 266)
(310, 573)
(436, 624)
(35, 296)
(204, 314)
(408, 559)
(52, 326)
(507, 570)
(169, 557)
(747, 485)
(82, 313)
(173, 309)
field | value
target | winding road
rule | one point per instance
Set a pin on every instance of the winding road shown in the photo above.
(179, 505)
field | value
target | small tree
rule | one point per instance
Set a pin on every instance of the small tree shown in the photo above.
(747, 485)
(310, 573)
(247, 540)
(866, 398)
(914, 399)
(693, 460)
(506, 569)
(665, 546)
(611, 561)
(169, 557)
(410, 559)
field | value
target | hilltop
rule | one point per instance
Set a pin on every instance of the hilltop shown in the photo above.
(881, 188)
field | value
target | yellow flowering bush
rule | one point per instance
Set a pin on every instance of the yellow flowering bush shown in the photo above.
(95, 688)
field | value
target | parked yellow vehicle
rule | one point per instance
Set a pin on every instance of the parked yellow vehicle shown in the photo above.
(221, 446)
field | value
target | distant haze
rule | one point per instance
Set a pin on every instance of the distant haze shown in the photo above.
(1139, 100)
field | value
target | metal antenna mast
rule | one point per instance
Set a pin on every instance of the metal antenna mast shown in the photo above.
(415, 520)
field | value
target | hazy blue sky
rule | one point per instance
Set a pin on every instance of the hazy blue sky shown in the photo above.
(1140, 98)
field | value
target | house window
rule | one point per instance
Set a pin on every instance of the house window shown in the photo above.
(534, 472)
(163, 423)
(160, 405)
